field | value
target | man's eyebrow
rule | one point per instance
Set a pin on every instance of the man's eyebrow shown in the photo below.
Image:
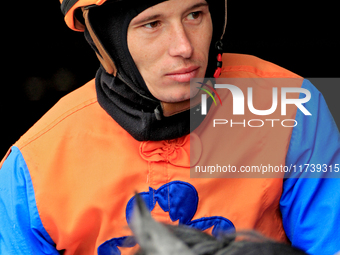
(157, 16)
(145, 20)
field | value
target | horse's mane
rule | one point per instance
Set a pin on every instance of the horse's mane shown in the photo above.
(157, 238)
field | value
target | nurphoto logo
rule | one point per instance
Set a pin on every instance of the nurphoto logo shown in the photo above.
(239, 98)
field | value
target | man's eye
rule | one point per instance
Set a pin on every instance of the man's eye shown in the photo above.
(152, 24)
(194, 15)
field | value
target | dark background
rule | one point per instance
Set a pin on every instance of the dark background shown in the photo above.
(43, 59)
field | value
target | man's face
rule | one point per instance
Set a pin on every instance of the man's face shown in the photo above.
(169, 43)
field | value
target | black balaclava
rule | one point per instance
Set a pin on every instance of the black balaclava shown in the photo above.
(125, 96)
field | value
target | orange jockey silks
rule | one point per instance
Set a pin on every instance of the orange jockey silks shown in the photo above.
(85, 170)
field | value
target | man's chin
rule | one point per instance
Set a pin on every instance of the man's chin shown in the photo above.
(178, 93)
(179, 99)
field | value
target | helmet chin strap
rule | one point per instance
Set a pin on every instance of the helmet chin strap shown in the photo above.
(102, 54)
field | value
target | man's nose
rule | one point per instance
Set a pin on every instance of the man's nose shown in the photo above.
(180, 43)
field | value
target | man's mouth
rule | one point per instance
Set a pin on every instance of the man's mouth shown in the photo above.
(183, 74)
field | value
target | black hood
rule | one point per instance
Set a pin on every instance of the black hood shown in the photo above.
(124, 94)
